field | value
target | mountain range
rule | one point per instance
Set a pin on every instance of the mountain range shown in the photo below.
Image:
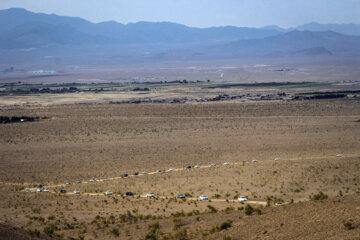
(21, 29)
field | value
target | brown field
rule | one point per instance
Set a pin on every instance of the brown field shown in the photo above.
(104, 141)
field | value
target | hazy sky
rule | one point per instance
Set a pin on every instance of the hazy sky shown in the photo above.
(201, 13)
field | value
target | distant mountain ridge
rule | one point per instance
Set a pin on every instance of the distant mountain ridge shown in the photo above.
(37, 26)
(70, 36)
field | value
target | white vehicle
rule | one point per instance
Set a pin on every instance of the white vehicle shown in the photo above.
(212, 165)
(39, 190)
(278, 204)
(150, 195)
(254, 160)
(171, 169)
(226, 163)
(339, 155)
(277, 159)
(92, 179)
(144, 172)
(76, 192)
(242, 199)
(68, 183)
(197, 166)
(27, 189)
(108, 192)
(204, 197)
(46, 190)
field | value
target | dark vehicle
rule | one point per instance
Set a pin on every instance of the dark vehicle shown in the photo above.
(158, 171)
(63, 191)
(125, 175)
(129, 194)
(39, 186)
(188, 167)
(136, 173)
(180, 196)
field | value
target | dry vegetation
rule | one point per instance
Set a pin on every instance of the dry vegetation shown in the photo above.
(105, 141)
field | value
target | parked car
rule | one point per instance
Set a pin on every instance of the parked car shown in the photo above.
(76, 191)
(277, 159)
(197, 166)
(39, 186)
(188, 167)
(242, 199)
(92, 179)
(108, 192)
(68, 183)
(254, 161)
(339, 155)
(125, 175)
(158, 171)
(39, 190)
(278, 204)
(144, 172)
(79, 181)
(204, 197)
(226, 163)
(27, 189)
(180, 196)
(171, 169)
(129, 194)
(135, 173)
(212, 165)
(62, 191)
(46, 190)
(150, 195)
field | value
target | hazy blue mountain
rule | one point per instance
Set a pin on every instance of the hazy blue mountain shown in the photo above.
(302, 42)
(45, 29)
(347, 29)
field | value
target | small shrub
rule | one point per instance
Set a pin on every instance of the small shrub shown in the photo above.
(212, 209)
(35, 233)
(319, 196)
(258, 211)
(249, 209)
(176, 223)
(115, 231)
(153, 231)
(348, 225)
(49, 229)
(226, 225)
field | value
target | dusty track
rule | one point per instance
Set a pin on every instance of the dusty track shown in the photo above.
(181, 169)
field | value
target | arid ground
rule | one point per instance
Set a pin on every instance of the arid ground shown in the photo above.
(318, 188)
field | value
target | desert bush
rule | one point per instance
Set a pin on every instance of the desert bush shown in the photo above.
(248, 209)
(319, 196)
(49, 229)
(115, 231)
(35, 233)
(212, 209)
(176, 223)
(181, 235)
(153, 231)
(223, 226)
(348, 225)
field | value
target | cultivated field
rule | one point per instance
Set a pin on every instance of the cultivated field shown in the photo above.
(104, 141)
